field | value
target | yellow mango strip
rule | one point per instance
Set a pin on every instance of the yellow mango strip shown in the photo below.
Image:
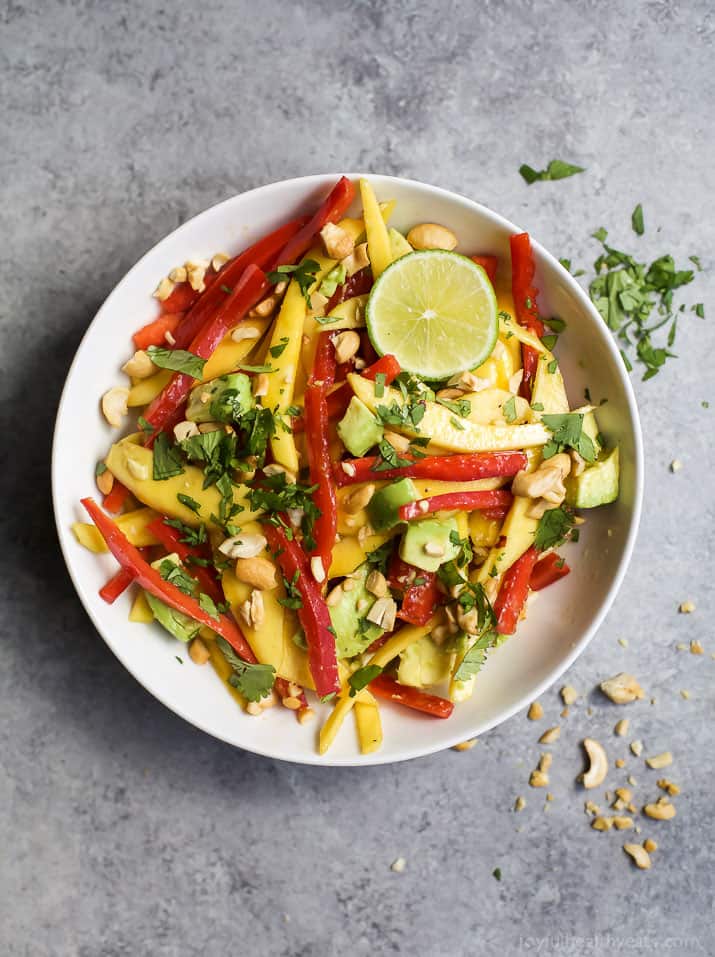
(356, 227)
(378, 238)
(146, 390)
(484, 532)
(133, 524)
(510, 329)
(437, 423)
(393, 647)
(223, 670)
(519, 530)
(140, 611)
(486, 407)
(230, 354)
(349, 314)
(462, 520)
(133, 464)
(272, 643)
(349, 552)
(369, 726)
(548, 388)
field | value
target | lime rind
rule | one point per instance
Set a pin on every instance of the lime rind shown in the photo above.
(436, 312)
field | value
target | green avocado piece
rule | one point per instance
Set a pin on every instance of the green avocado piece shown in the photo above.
(590, 428)
(424, 663)
(384, 505)
(178, 624)
(432, 532)
(398, 244)
(353, 634)
(597, 484)
(221, 400)
(358, 429)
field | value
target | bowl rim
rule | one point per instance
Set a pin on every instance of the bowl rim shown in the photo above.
(312, 182)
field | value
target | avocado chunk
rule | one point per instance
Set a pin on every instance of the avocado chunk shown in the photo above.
(434, 535)
(358, 429)
(222, 400)
(178, 624)
(353, 634)
(424, 663)
(597, 484)
(590, 428)
(383, 506)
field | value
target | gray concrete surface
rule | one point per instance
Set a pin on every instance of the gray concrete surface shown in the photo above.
(123, 831)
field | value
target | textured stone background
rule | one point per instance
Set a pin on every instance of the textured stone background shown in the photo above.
(126, 832)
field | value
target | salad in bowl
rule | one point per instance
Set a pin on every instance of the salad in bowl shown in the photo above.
(345, 462)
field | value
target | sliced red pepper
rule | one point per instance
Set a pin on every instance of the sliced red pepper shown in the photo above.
(182, 297)
(391, 690)
(514, 591)
(313, 614)
(467, 467)
(456, 501)
(523, 290)
(170, 538)
(332, 209)
(261, 254)
(130, 558)
(530, 362)
(495, 514)
(418, 589)
(117, 584)
(282, 686)
(359, 284)
(154, 333)
(318, 448)
(165, 409)
(114, 501)
(489, 264)
(548, 570)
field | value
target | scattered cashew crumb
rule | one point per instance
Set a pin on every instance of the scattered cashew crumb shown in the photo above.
(590, 807)
(676, 465)
(602, 823)
(641, 857)
(681, 646)
(620, 763)
(622, 688)
(535, 711)
(551, 735)
(564, 713)
(398, 865)
(621, 727)
(622, 823)
(662, 810)
(631, 780)
(569, 694)
(623, 642)
(686, 607)
(598, 766)
(465, 745)
(519, 804)
(650, 845)
(637, 748)
(695, 647)
(658, 761)
(684, 694)
(665, 785)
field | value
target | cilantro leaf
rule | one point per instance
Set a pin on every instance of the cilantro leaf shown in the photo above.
(556, 169)
(177, 576)
(362, 677)
(178, 360)
(166, 459)
(460, 407)
(555, 526)
(100, 468)
(509, 410)
(189, 502)
(333, 279)
(380, 556)
(253, 681)
(304, 274)
(207, 603)
(568, 433)
(279, 349)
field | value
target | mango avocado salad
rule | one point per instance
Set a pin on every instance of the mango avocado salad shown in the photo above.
(353, 462)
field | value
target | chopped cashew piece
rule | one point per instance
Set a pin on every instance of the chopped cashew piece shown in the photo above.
(650, 845)
(178, 274)
(139, 366)
(602, 823)
(243, 546)
(662, 810)
(660, 760)
(568, 695)
(114, 406)
(622, 823)
(622, 688)
(551, 735)
(637, 748)
(547, 482)
(357, 260)
(185, 430)
(535, 711)
(242, 332)
(258, 572)
(376, 584)
(398, 865)
(676, 465)
(383, 613)
(519, 804)
(640, 855)
(431, 236)
(621, 727)
(316, 568)
(695, 647)
(337, 241)
(686, 607)
(598, 769)
(164, 289)
(465, 745)
(346, 345)
(668, 786)
(198, 652)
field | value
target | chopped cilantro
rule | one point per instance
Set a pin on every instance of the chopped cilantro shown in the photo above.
(207, 603)
(380, 385)
(550, 340)
(567, 433)
(253, 681)
(226, 289)
(178, 360)
(279, 349)
(304, 274)
(190, 536)
(100, 468)
(557, 169)
(166, 459)
(293, 597)
(189, 502)
(552, 366)
(699, 310)
(555, 526)
(144, 425)
(362, 677)
(509, 409)
(333, 279)
(175, 575)
(558, 325)
(695, 260)
(472, 662)
(460, 407)
(537, 406)
(379, 557)
(496, 873)
(248, 368)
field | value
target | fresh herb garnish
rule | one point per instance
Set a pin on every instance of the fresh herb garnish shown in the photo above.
(190, 536)
(379, 557)
(293, 597)
(177, 576)
(380, 385)
(362, 677)
(100, 468)
(566, 263)
(207, 604)
(279, 349)
(550, 340)
(166, 459)
(465, 552)
(408, 415)
(178, 360)
(637, 220)
(557, 169)
(555, 526)
(276, 495)
(460, 407)
(471, 663)
(226, 289)
(248, 368)
(145, 426)
(253, 681)
(537, 406)
(509, 410)
(567, 433)
(333, 279)
(304, 274)
(189, 502)
(496, 873)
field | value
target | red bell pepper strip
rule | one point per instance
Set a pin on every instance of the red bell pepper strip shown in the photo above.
(154, 333)
(529, 361)
(548, 570)
(524, 293)
(514, 591)
(131, 559)
(114, 500)
(418, 589)
(165, 409)
(358, 284)
(332, 209)
(489, 264)
(495, 514)
(318, 449)
(282, 686)
(261, 254)
(391, 690)
(182, 297)
(118, 583)
(467, 467)
(455, 501)
(313, 614)
(170, 538)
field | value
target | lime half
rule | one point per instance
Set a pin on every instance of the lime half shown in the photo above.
(435, 311)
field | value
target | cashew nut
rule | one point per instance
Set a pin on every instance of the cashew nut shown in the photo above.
(139, 366)
(660, 760)
(185, 430)
(198, 652)
(622, 688)
(431, 236)
(337, 241)
(258, 572)
(383, 613)
(661, 810)
(317, 568)
(376, 584)
(598, 769)
(551, 735)
(243, 546)
(640, 855)
(359, 499)
(569, 694)
(252, 610)
(535, 711)
(242, 332)
(114, 406)
(346, 345)
(546, 482)
(357, 260)
(164, 289)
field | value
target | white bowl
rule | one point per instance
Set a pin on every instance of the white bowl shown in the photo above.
(561, 621)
